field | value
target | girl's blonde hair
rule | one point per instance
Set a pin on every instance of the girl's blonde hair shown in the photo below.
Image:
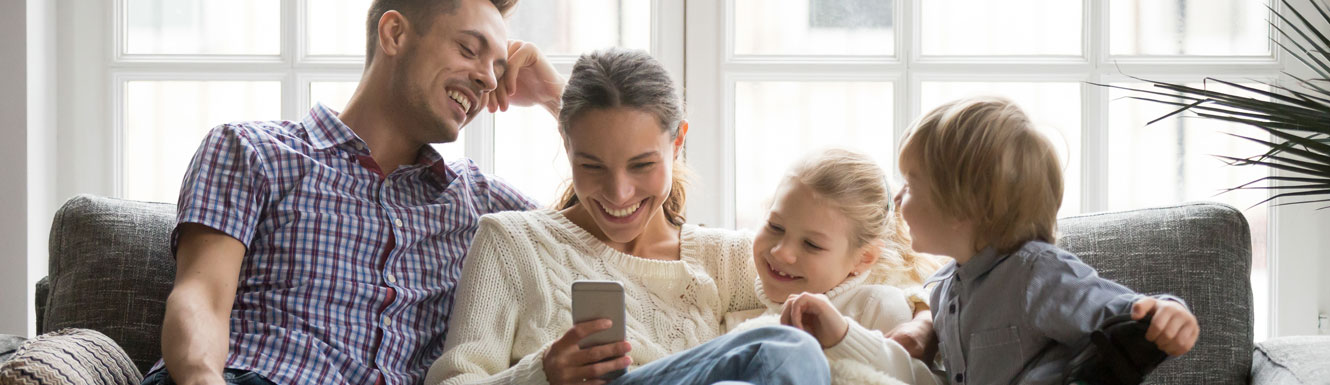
(986, 162)
(859, 187)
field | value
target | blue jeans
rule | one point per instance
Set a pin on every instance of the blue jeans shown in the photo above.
(769, 355)
(232, 377)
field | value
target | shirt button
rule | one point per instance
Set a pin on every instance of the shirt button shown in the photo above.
(397, 222)
(960, 377)
(388, 182)
(387, 322)
(952, 309)
(392, 279)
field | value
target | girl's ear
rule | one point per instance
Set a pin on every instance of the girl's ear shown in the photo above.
(679, 140)
(868, 255)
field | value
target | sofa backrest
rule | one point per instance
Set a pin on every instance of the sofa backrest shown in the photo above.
(111, 271)
(1200, 252)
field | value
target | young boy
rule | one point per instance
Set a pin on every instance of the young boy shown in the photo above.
(983, 187)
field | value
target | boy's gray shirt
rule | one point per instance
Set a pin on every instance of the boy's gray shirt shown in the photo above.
(1020, 317)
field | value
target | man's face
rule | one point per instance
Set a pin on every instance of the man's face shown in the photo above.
(445, 75)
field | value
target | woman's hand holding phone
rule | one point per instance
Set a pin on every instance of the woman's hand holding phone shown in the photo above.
(566, 363)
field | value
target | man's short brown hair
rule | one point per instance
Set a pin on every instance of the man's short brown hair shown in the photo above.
(419, 12)
(986, 162)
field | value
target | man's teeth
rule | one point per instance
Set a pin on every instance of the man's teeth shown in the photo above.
(461, 99)
(622, 213)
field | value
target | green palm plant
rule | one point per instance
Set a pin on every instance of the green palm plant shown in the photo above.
(1298, 120)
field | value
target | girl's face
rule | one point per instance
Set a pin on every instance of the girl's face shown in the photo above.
(806, 245)
(622, 162)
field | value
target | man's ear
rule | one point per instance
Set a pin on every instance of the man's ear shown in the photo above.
(679, 140)
(393, 28)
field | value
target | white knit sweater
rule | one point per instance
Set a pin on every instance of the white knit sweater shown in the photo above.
(871, 307)
(514, 297)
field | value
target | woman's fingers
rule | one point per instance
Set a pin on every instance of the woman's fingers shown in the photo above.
(594, 371)
(600, 353)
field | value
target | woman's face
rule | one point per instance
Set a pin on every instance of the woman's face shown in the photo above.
(622, 162)
(806, 245)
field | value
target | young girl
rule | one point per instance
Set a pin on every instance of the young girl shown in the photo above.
(834, 260)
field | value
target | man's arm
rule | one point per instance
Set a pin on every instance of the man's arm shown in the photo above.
(195, 332)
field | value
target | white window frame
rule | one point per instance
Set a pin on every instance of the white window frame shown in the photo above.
(713, 68)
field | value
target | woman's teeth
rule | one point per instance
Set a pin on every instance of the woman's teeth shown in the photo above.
(460, 99)
(622, 213)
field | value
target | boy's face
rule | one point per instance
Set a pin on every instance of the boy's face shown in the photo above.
(931, 230)
(806, 245)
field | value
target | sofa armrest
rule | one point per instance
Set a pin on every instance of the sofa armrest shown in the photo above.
(43, 292)
(1291, 360)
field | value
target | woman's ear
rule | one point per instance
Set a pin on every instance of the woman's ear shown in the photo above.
(679, 139)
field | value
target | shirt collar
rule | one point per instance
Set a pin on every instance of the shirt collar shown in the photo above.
(980, 264)
(327, 131)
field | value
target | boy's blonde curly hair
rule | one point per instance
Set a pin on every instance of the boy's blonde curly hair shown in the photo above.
(987, 163)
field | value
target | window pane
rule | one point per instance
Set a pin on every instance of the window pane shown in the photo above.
(572, 27)
(1189, 27)
(165, 121)
(214, 27)
(1013, 27)
(1055, 109)
(529, 153)
(813, 27)
(334, 95)
(336, 27)
(1172, 161)
(776, 123)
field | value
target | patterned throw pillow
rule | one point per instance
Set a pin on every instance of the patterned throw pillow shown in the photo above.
(70, 356)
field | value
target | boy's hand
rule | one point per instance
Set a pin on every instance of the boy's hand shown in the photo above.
(1173, 329)
(814, 314)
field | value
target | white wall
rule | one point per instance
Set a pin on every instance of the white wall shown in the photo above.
(42, 146)
(13, 174)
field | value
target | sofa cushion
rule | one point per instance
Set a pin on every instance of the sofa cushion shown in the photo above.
(111, 271)
(70, 356)
(1200, 252)
(1292, 360)
(8, 345)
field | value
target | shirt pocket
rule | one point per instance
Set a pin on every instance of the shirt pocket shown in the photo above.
(995, 354)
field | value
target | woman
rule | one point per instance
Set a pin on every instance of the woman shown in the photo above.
(623, 129)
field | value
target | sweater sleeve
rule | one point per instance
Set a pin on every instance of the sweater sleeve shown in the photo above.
(493, 290)
(880, 310)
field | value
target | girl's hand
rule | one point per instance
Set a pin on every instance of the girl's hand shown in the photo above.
(814, 314)
(916, 336)
(566, 363)
(1173, 329)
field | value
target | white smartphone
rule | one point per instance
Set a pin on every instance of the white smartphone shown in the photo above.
(594, 300)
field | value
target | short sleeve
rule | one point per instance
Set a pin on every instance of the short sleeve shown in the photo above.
(225, 186)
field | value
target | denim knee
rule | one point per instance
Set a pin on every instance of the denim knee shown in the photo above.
(785, 355)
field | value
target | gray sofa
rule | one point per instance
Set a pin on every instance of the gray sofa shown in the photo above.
(110, 271)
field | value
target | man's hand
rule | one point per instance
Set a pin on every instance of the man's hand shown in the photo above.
(814, 314)
(529, 80)
(916, 336)
(1173, 329)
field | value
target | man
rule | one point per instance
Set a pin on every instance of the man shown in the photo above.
(326, 250)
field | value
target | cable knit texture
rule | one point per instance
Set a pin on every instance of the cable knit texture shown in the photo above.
(514, 297)
(871, 308)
